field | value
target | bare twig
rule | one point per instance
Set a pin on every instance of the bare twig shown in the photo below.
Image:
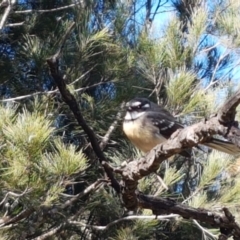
(16, 195)
(73, 105)
(50, 232)
(142, 217)
(9, 6)
(24, 214)
(48, 93)
(112, 127)
(88, 87)
(51, 10)
(83, 75)
(14, 24)
(63, 40)
(28, 96)
(204, 230)
(88, 190)
(212, 82)
(160, 4)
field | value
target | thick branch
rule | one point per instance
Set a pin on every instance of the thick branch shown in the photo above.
(166, 206)
(228, 111)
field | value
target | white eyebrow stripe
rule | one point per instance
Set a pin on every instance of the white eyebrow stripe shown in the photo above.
(135, 104)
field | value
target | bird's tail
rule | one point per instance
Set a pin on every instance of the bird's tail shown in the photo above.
(223, 146)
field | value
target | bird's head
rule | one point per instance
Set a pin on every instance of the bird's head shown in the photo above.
(136, 107)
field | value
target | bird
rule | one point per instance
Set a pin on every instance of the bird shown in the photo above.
(147, 124)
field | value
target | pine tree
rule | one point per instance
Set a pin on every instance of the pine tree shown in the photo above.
(52, 182)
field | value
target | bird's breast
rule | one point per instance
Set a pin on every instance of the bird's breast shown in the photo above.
(142, 136)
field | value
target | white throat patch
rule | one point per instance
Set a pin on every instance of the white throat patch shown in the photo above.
(130, 116)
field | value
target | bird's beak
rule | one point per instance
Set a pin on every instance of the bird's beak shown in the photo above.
(127, 107)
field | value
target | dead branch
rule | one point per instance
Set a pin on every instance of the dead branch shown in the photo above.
(159, 206)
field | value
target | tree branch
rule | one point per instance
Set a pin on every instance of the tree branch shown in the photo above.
(9, 6)
(167, 205)
(134, 217)
(93, 187)
(50, 232)
(81, 3)
(227, 113)
(70, 100)
(24, 214)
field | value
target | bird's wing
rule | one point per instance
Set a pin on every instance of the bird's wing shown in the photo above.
(165, 123)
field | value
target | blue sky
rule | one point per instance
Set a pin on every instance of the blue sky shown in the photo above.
(160, 22)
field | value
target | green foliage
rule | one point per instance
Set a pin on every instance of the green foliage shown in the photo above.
(47, 162)
(199, 200)
(172, 176)
(197, 28)
(230, 194)
(173, 39)
(125, 234)
(64, 161)
(7, 114)
(32, 46)
(183, 94)
(227, 20)
(216, 163)
(29, 132)
(33, 159)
